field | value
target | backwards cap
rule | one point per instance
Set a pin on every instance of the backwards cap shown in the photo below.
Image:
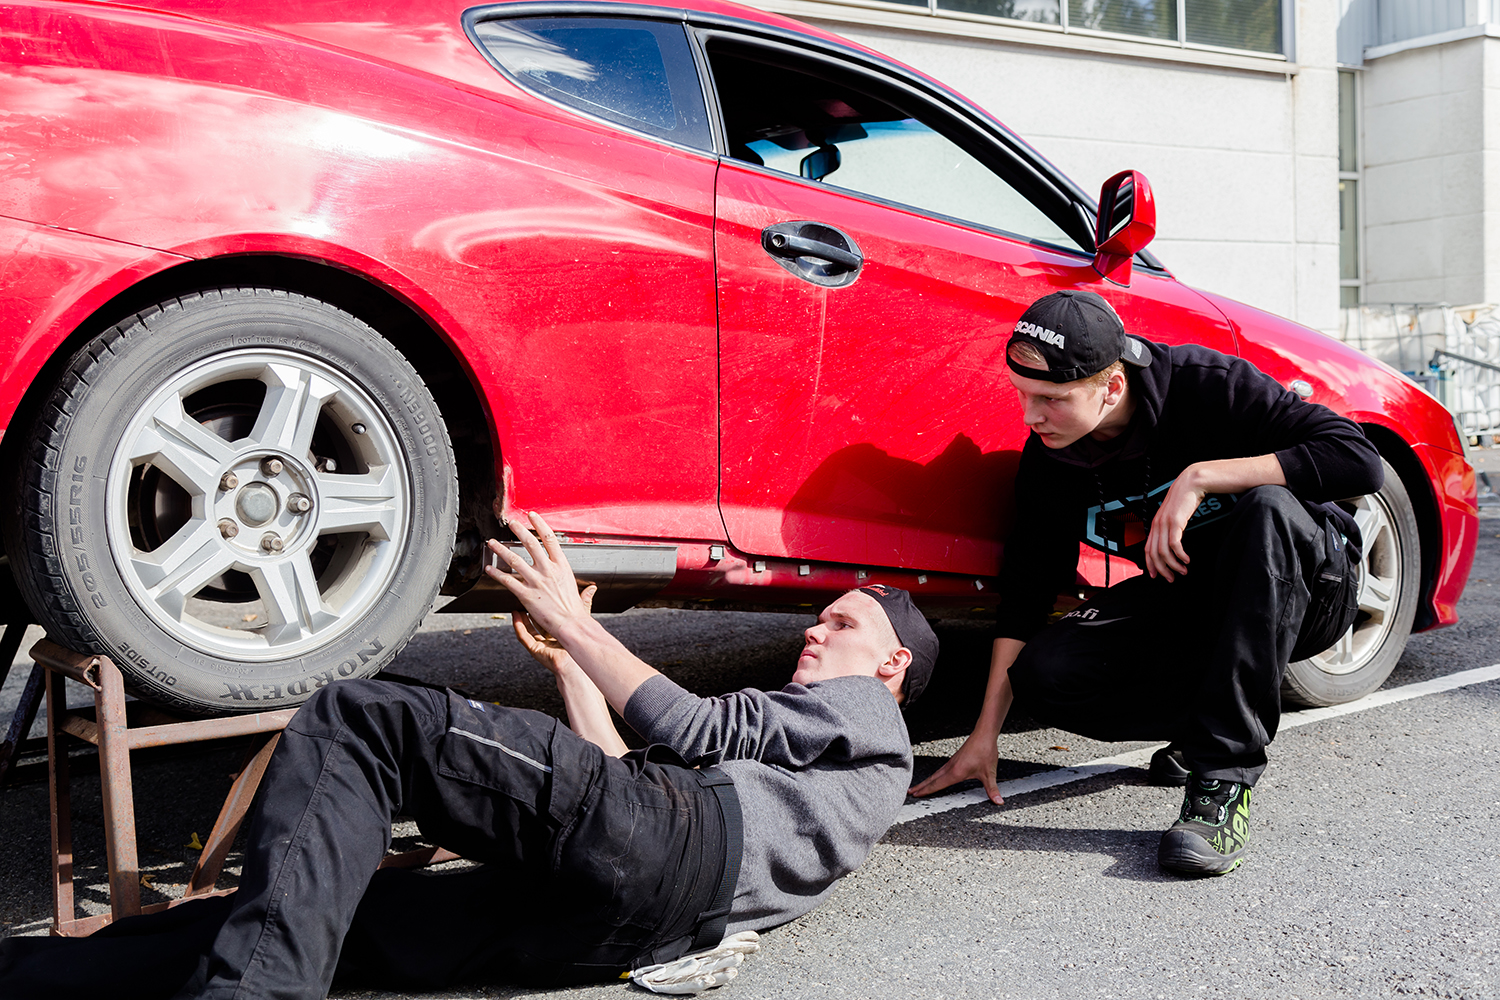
(913, 632)
(1079, 335)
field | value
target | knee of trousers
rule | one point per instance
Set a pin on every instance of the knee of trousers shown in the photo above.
(1268, 503)
(344, 703)
(1272, 512)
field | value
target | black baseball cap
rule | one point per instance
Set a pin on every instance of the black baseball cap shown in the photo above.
(1078, 333)
(913, 632)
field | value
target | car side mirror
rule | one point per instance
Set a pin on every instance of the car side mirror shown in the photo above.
(1127, 222)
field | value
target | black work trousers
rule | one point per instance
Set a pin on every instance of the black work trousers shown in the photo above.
(1199, 660)
(590, 864)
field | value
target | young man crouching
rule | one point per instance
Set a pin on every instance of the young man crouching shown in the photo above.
(1220, 485)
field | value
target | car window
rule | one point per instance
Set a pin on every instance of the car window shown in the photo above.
(803, 123)
(635, 73)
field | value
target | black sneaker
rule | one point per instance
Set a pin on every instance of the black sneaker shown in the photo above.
(1209, 837)
(1168, 768)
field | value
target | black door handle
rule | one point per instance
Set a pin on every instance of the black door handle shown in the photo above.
(814, 252)
(783, 245)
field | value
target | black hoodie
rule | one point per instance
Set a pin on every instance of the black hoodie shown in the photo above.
(1192, 404)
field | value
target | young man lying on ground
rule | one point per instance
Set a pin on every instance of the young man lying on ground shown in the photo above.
(595, 859)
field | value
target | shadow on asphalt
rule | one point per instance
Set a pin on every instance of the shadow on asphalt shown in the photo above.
(985, 827)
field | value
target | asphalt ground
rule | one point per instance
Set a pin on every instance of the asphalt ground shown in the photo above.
(1373, 871)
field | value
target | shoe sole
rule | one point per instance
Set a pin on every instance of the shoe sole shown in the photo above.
(1184, 854)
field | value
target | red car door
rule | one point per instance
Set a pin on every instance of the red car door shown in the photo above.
(866, 414)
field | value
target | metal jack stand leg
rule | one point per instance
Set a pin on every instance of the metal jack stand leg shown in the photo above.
(31, 695)
(111, 732)
(20, 723)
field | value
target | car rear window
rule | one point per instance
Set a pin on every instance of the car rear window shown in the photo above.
(639, 74)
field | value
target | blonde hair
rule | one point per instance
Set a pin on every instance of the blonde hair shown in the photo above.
(1100, 379)
(1027, 354)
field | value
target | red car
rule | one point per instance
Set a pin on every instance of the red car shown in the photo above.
(299, 302)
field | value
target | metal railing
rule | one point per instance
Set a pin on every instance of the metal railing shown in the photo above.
(1453, 353)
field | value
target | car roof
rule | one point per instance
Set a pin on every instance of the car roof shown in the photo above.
(410, 27)
(429, 36)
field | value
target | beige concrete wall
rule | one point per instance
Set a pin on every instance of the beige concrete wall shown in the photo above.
(1313, 99)
(1431, 176)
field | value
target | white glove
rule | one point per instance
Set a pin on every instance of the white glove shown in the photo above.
(699, 972)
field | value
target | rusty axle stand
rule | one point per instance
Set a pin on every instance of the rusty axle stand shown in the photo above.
(115, 736)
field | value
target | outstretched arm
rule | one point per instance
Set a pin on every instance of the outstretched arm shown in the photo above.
(588, 712)
(978, 757)
(549, 592)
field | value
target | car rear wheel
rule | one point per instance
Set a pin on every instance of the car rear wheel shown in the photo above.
(1389, 585)
(240, 496)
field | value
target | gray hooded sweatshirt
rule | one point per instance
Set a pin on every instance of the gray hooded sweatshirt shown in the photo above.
(821, 771)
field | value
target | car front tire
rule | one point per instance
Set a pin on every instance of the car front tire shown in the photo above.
(1389, 588)
(240, 496)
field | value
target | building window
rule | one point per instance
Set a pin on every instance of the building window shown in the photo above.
(1149, 18)
(1035, 11)
(1235, 24)
(1222, 24)
(1257, 26)
(1350, 280)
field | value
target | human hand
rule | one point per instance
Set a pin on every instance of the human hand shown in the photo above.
(572, 683)
(1165, 555)
(542, 646)
(546, 587)
(977, 758)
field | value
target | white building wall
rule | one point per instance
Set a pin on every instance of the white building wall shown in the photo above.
(1431, 177)
(1489, 65)
(1313, 99)
(1243, 163)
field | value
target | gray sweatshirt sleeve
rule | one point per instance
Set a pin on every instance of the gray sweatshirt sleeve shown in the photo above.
(784, 728)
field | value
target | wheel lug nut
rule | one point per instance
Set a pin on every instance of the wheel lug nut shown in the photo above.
(297, 503)
(228, 528)
(229, 482)
(270, 542)
(358, 428)
(270, 467)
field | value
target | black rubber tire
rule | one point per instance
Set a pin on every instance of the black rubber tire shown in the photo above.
(59, 546)
(1305, 683)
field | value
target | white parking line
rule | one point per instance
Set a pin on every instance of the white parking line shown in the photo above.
(922, 808)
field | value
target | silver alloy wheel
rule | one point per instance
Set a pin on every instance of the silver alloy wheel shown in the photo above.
(319, 545)
(1380, 571)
